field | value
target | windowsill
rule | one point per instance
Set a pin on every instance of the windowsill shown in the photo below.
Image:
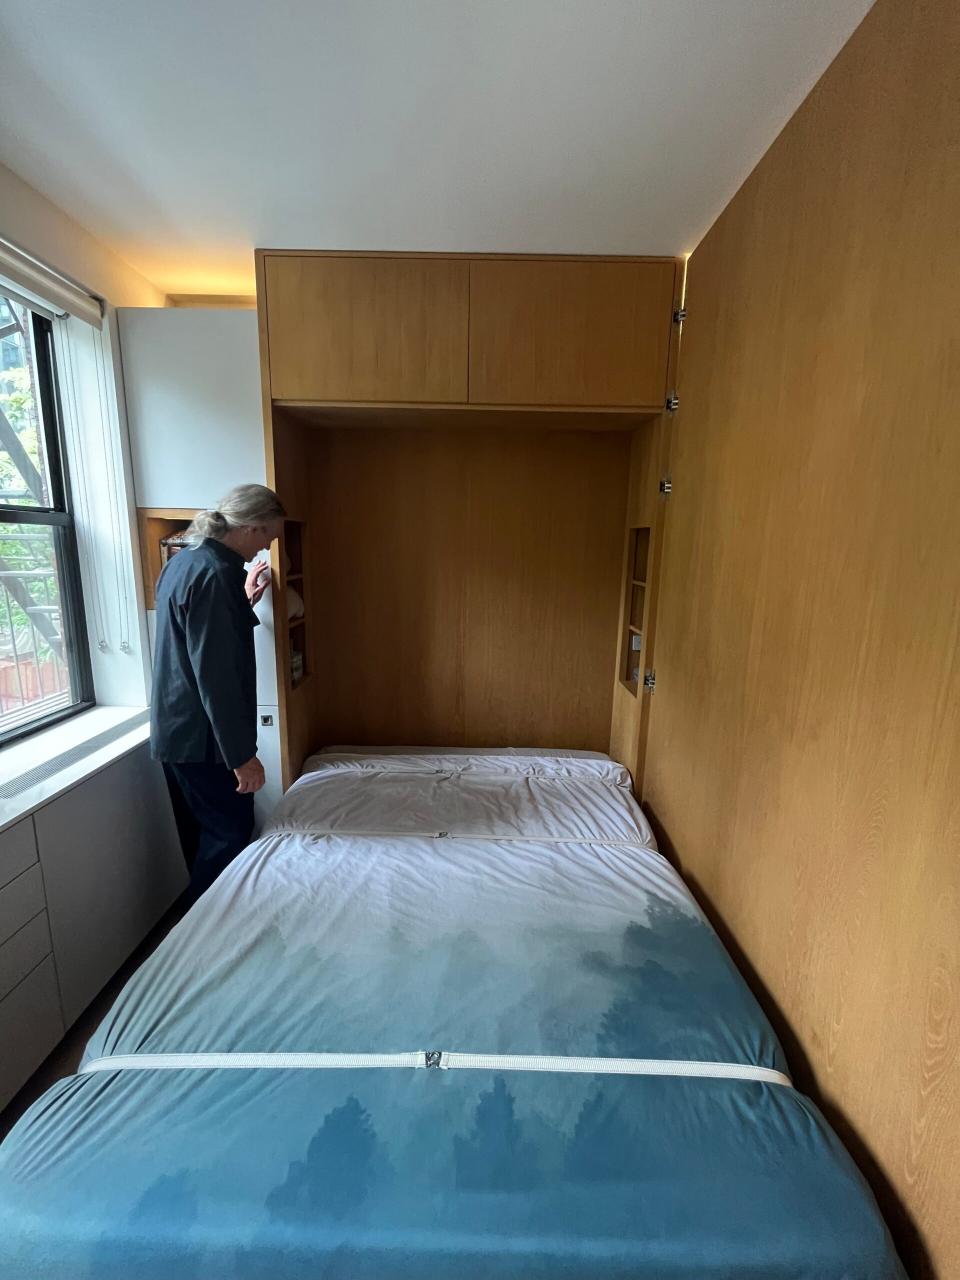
(70, 735)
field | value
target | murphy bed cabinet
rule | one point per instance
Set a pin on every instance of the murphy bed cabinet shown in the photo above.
(467, 446)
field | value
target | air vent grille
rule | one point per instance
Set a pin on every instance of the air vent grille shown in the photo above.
(41, 772)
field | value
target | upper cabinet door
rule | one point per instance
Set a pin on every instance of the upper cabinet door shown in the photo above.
(380, 329)
(570, 332)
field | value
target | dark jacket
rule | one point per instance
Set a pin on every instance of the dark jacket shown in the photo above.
(204, 706)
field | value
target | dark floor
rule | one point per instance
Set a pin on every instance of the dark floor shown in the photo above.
(65, 1058)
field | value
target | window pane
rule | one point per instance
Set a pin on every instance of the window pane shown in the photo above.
(34, 662)
(23, 464)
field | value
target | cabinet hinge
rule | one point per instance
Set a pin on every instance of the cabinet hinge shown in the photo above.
(672, 403)
(666, 486)
(650, 680)
(679, 315)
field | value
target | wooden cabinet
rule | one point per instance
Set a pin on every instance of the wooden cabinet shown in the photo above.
(112, 865)
(367, 328)
(570, 332)
(467, 332)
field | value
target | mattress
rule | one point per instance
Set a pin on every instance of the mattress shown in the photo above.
(452, 1011)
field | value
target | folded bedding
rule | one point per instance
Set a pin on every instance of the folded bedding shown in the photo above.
(554, 798)
(501, 907)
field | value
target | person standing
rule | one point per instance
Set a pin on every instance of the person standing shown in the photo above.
(203, 713)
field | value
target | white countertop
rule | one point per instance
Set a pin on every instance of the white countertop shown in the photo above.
(30, 753)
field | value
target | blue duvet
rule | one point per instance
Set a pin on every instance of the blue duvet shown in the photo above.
(478, 904)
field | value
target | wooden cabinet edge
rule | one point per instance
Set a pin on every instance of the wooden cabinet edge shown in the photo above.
(437, 406)
(464, 257)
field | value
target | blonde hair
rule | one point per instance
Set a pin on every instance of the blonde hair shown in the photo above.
(247, 504)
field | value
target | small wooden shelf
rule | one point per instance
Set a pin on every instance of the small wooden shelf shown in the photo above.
(293, 548)
(154, 524)
(634, 598)
(297, 657)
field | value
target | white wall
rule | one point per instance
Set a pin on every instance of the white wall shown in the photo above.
(39, 227)
(192, 384)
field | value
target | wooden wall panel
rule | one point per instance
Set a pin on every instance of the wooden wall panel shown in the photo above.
(805, 748)
(367, 328)
(570, 333)
(467, 585)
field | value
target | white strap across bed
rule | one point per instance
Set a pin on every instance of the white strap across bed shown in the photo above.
(434, 1058)
(304, 829)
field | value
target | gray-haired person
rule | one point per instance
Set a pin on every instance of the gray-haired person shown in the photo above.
(203, 716)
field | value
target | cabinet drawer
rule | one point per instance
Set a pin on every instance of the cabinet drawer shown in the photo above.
(18, 850)
(570, 333)
(31, 1024)
(20, 900)
(20, 954)
(112, 865)
(387, 329)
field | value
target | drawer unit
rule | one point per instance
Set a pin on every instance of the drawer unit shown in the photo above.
(18, 850)
(20, 901)
(31, 1024)
(22, 952)
(112, 865)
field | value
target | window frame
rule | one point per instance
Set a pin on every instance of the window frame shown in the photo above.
(60, 518)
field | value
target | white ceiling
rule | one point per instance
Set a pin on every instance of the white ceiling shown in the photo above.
(185, 132)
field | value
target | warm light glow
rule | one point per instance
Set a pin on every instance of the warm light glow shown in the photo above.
(233, 283)
(683, 283)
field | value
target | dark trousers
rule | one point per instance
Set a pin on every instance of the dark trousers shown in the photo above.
(214, 822)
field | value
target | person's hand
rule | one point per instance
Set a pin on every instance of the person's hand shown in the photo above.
(258, 579)
(250, 776)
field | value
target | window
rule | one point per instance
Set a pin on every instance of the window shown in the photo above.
(44, 660)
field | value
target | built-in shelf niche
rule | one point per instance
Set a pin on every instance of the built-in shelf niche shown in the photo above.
(160, 530)
(634, 602)
(297, 648)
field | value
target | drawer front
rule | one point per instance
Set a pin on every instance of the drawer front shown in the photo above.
(31, 1024)
(22, 953)
(20, 901)
(18, 850)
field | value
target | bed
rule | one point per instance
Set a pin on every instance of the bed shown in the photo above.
(452, 1014)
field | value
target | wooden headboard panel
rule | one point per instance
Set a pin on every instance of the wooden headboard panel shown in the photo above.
(804, 758)
(467, 584)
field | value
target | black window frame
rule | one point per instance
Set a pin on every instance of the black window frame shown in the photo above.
(59, 517)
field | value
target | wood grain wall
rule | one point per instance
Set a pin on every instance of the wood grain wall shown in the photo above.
(467, 585)
(804, 758)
